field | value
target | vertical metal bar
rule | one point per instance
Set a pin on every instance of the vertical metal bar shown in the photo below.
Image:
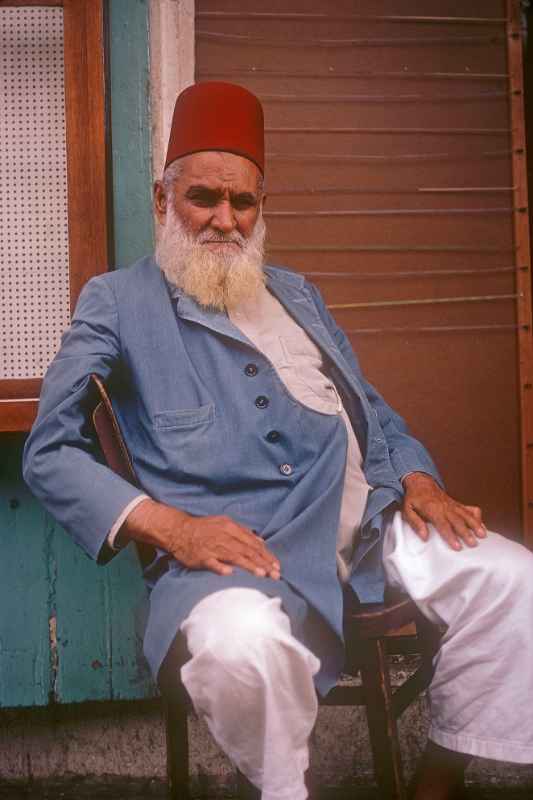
(522, 260)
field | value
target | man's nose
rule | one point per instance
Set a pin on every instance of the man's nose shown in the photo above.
(224, 219)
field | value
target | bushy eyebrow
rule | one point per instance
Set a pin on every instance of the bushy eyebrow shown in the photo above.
(213, 196)
(204, 192)
(244, 197)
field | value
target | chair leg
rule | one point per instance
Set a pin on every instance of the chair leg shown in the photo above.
(429, 636)
(381, 720)
(245, 790)
(177, 750)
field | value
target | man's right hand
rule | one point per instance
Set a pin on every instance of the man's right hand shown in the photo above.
(214, 543)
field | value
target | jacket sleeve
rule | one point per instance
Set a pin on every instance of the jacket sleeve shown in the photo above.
(407, 454)
(61, 460)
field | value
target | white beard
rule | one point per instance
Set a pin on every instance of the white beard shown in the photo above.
(216, 280)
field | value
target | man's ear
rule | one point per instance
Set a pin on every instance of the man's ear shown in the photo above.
(160, 202)
(263, 201)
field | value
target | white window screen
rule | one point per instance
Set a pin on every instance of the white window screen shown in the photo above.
(34, 256)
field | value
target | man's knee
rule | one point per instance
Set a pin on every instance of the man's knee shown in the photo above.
(508, 571)
(236, 626)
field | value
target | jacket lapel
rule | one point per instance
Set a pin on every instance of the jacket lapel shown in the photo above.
(291, 291)
(217, 321)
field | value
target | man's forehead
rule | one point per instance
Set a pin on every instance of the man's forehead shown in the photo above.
(213, 169)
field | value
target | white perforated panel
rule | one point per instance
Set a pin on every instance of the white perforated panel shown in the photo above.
(34, 266)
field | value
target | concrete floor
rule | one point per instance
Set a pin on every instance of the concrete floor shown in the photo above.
(116, 751)
(362, 794)
(152, 790)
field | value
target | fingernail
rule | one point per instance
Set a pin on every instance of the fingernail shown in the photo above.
(482, 533)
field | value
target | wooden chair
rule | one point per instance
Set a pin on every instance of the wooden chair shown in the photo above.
(372, 632)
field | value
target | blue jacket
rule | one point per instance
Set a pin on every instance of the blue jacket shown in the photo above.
(198, 441)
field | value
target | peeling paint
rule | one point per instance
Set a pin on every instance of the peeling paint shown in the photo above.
(108, 605)
(54, 658)
(53, 652)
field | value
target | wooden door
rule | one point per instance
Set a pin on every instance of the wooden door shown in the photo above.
(53, 171)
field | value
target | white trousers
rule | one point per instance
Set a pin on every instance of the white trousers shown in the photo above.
(252, 680)
(481, 694)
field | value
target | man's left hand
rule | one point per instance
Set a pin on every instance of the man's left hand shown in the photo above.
(425, 502)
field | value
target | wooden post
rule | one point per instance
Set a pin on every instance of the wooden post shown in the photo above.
(381, 720)
(177, 750)
(522, 260)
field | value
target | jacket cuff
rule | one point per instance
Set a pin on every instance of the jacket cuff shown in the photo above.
(112, 535)
(408, 461)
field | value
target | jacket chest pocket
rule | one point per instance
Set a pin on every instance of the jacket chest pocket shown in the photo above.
(184, 419)
(188, 441)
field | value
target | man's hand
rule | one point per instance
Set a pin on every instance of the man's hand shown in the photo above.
(214, 543)
(218, 543)
(425, 502)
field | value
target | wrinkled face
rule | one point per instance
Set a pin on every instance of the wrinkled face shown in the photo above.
(217, 198)
(212, 232)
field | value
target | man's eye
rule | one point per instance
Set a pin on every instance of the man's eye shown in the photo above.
(202, 199)
(242, 205)
(203, 202)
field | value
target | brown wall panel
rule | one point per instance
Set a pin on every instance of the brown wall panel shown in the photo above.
(366, 261)
(352, 198)
(458, 314)
(486, 9)
(394, 287)
(428, 87)
(365, 136)
(401, 229)
(408, 215)
(461, 398)
(383, 56)
(284, 172)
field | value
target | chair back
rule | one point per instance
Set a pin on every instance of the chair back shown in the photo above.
(109, 435)
(115, 451)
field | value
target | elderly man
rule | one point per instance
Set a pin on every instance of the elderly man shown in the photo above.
(273, 474)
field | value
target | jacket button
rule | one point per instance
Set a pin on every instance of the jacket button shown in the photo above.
(273, 436)
(286, 469)
(262, 401)
(251, 370)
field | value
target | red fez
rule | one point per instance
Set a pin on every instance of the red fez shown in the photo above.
(217, 116)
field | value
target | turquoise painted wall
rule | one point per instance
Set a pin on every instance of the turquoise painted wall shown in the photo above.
(130, 129)
(69, 630)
